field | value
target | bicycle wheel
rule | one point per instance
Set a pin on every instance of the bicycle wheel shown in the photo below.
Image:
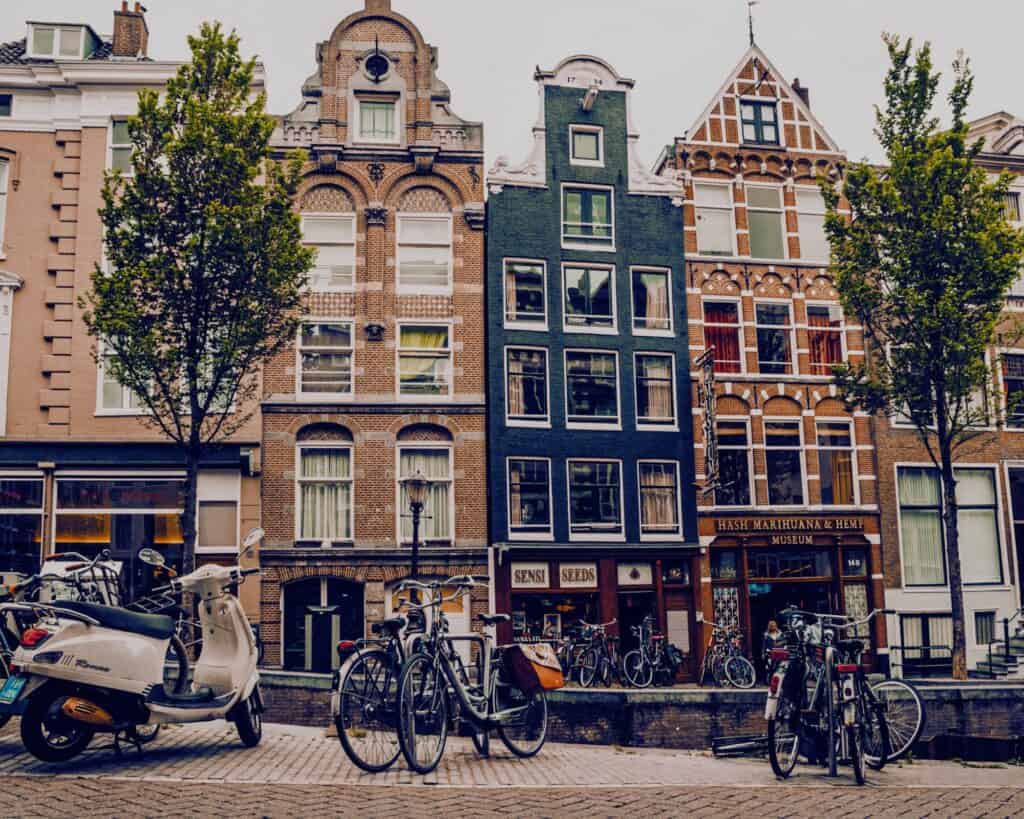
(718, 671)
(783, 741)
(877, 745)
(589, 666)
(855, 739)
(422, 713)
(904, 714)
(740, 672)
(834, 721)
(525, 732)
(367, 703)
(637, 670)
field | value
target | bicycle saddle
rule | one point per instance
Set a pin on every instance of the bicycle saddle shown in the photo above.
(492, 619)
(850, 646)
(392, 624)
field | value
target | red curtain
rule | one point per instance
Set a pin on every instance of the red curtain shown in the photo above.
(725, 340)
(826, 342)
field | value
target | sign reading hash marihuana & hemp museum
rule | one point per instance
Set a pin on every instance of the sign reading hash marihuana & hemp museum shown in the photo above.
(788, 531)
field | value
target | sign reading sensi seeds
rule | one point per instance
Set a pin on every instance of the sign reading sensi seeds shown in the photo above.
(530, 576)
(577, 575)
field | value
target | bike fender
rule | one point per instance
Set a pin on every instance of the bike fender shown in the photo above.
(771, 707)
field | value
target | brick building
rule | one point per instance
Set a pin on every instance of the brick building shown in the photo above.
(593, 514)
(990, 483)
(79, 471)
(793, 518)
(386, 378)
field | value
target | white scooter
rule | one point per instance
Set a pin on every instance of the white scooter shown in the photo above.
(85, 668)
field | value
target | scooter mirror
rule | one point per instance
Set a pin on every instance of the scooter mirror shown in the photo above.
(251, 539)
(152, 557)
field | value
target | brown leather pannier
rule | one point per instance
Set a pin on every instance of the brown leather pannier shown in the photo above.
(534, 666)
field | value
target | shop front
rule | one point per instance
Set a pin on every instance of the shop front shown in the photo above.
(759, 566)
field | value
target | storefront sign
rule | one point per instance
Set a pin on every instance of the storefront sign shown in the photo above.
(530, 576)
(788, 527)
(635, 574)
(577, 575)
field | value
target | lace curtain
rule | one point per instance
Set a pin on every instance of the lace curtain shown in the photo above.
(325, 494)
(435, 523)
(658, 507)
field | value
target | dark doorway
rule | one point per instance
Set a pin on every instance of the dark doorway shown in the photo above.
(633, 608)
(317, 614)
(768, 599)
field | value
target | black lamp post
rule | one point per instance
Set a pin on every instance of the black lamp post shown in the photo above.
(417, 487)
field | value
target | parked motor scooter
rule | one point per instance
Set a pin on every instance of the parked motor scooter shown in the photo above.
(85, 668)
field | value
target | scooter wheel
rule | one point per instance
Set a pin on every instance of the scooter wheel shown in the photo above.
(249, 722)
(49, 735)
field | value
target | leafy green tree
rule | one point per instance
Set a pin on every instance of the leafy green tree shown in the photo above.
(205, 265)
(924, 263)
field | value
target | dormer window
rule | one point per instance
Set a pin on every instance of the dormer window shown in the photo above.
(54, 42)
(759, 121)
(377, 119)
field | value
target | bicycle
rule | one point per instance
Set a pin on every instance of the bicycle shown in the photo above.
(435, 691)
(600, 661)
(640, 665)
(724, 660)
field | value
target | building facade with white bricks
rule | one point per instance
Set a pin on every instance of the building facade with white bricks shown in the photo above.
(386, 376)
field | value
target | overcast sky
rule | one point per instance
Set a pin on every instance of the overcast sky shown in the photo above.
(678, 51)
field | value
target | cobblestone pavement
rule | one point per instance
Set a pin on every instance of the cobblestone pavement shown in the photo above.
(204, 771)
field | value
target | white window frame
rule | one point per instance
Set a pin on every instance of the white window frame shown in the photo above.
(799, 213)
(613, 330)
(854, 464)
(574, 242)
(541, 325)
(663, 535)
(749, 448)
(111, 145)
(611, 424)
(783, 232)
(204, 494)
(419, 289)
(537, 535)
(425, 399)
(731, 209)
(5, 167)
(831, 305)
(648, 426)
(794, 362)
(395, 100)
(347, 217)
(101, 410)
(55, 54)
(450, 480)
(667, 333)
(586, 129)
(299, 480)
(607, 536)
(738, 301)
(539, 423)
(1001, 385)
(801, 451)
(325, 397)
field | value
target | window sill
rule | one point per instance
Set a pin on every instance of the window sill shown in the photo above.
(612, 427)
(324, 398)
(654, 333)
(425, 399)
(329, 290)
(114, 413)
(536, 326)
(604, 538)
(528, 538)
(546, 424)
(597, 331)
(672, 427)
(429, 290)
(394, 142)
(586, 163)
(668, 537)
(587, 248)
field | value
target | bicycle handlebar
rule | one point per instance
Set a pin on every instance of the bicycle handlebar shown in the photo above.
(599, 625)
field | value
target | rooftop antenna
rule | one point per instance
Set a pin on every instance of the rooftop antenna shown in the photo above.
(750, 18)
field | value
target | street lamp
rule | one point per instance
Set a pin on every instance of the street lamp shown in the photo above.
(417, 487)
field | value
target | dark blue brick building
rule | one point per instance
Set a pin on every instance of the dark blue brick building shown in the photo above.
(591, 461)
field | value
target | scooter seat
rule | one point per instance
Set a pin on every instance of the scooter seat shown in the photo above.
(158, 626)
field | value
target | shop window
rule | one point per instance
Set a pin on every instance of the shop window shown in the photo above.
(722, 331)
(716, 230)
(810, 216)
(766, 222)
(676, 572)
(783, 564)
(774, 325)
(659, 498)
(325, 359)
(424, 253)
(591, 386)
(525, 294)
(21, 524)
(218, 525)
(652, 300)
(424, 361)
(324, 488)
(595, 497)
(550, 616)
(527, 388)
(724, 564)
(855, 562)
(589, 297)
(655, 390)
(1013, 389)
(333, 236)
(835, 463)
(759, 122)
(825, 337)
(588, 217)
(783, 458)
(734, 473)
(434, 464)
(529, 491)
(587, 145)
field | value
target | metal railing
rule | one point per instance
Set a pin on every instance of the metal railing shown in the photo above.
(925, 660)
(1000, 651)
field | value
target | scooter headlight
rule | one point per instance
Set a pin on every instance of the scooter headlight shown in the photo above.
(51, 657)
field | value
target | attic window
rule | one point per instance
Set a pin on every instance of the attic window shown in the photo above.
(56, 42)
(6, 104)
(760, 122)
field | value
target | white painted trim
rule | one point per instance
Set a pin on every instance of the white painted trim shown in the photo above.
(612, 424)
(539, 536)
(544, 423)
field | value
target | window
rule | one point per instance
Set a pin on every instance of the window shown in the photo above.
(527, 375)
(21, 524)
(591, 387)
(424, 360)
(825, 337)
(1011, 205)
(810, 219)
(218, 525)
(765, 220)
(325, 493)
(334, 237)
(3, 201)
(659, 498)
(734, 471)
(835, 463)
(113, 397)
(434, 463)
(655, 391)
(927, 644)
(120, 146)
(53, 41)
(588, 217)
(589, 297)
(921, 533)
(774, 338)
(525, 295)
(325, 359)
(587, 145)
(595, 497)
(978, 523)
(782, 454)
(716, 230)
(424, 253)
(1013, 388)
(652, 301)
(984, 627)
(6, 104)
(377, 121)
(722, 331)
(759, 122)
(529, 493)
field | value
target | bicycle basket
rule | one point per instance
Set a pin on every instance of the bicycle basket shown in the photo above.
(534, 667)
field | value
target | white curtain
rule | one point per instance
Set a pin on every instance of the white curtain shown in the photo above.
(658, 506)
(979, 533)
(434, 465)
(912, 636)
(325, 494)
(921, 529)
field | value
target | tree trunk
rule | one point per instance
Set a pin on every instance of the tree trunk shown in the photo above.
(188, 517)
(956, 591)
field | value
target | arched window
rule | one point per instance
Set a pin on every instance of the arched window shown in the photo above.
(319, 612)
(323, 485)
(427, 450)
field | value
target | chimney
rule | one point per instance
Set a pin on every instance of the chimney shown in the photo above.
(378, 6)
(131, 34)
(803, 93)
